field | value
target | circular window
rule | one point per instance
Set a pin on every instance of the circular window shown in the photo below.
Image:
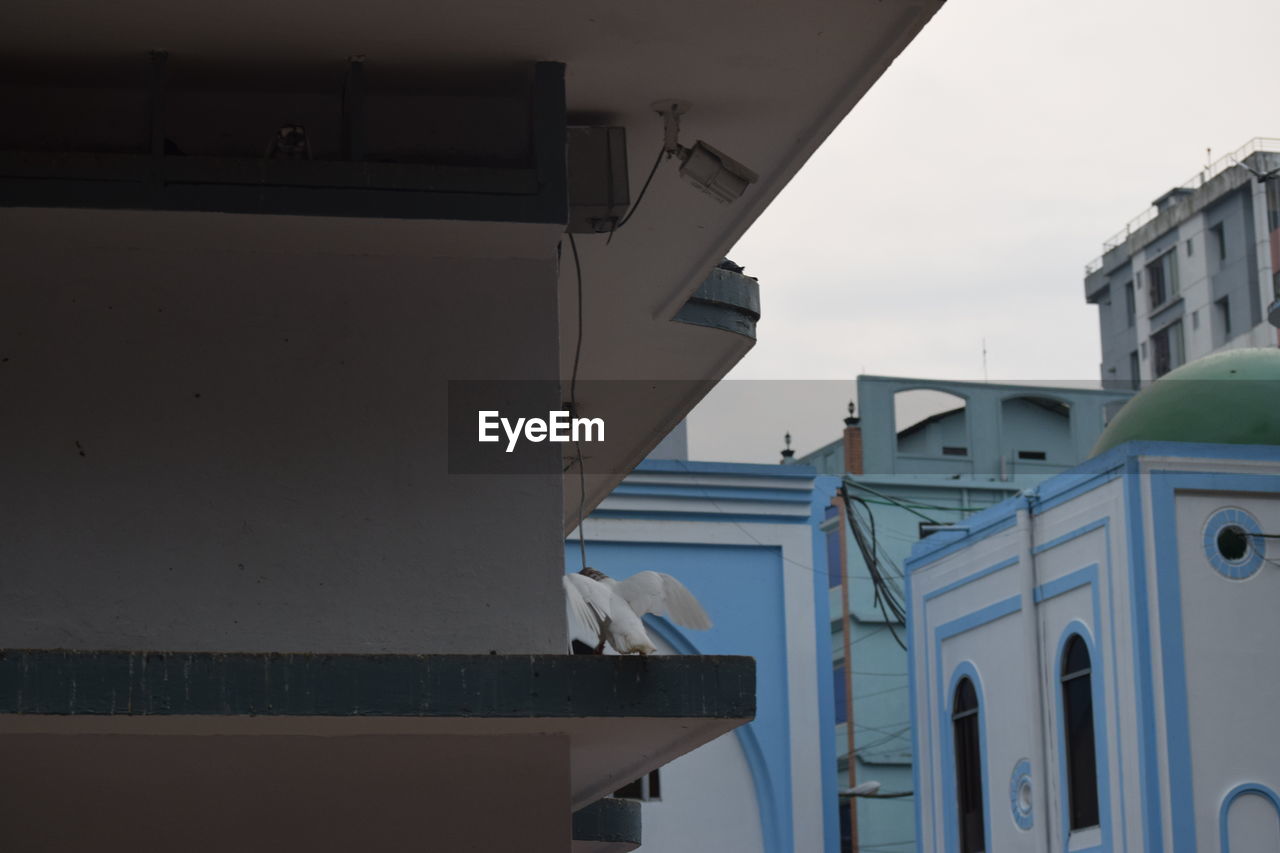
(1233, 543)
(1229, 544)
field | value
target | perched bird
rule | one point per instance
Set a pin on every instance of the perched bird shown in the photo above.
(602, 610)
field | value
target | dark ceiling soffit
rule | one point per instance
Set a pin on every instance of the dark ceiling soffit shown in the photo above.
(61, 682)
(154, 181)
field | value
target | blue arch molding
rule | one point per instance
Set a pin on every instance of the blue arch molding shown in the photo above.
(965, 669)
(1235, 793)
(1077, 628)
(762, 780)
(1246, 566)
(944, 632)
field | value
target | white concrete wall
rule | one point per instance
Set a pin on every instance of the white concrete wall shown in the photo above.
(708, 800)
(237, 447)
(1231, 634)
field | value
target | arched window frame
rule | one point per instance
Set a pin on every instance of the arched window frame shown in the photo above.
(954, 841)
(1097, 699)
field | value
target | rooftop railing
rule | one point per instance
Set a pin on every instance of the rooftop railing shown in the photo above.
(1199, 179)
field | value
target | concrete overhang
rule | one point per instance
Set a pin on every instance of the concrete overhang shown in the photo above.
(767, 83)
(620, 716)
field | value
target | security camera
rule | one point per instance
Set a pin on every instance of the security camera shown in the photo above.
(707, 168)
(714, 172)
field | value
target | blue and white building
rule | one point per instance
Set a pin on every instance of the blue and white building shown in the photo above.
(1093, 661)
(991, 442)
(743, 539)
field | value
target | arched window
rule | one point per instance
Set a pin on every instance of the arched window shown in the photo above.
(964, 727)
(1077, 712)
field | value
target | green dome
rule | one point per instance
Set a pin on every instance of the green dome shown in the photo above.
(1230, 397)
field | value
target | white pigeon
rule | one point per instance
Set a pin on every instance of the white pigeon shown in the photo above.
(602, 610)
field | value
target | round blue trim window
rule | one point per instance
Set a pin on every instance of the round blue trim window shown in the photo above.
(1229, 544)
(1020, 794)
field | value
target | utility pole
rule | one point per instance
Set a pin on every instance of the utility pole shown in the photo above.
(846, 625)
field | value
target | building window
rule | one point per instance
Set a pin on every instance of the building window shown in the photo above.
(1190, 251)
(1135, 372)
(1032, 454)
(645, 788)
(964, 727)
(1130, 304)
(1162, 276)
(952, 450)
(1167, 348)
(1223, 306)
(1195, 320)
(1077, 722)
(1219, 235)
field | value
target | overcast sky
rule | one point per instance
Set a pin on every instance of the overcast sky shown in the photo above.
(961, 199)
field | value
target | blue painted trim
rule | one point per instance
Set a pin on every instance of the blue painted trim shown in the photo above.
(946, 631)
(1021, 775)
(951, 819)
(976, 531)
(1144, 694)
(912, 709)
(694, 491)
(761, 779)
(824, 489)
(1084, 477)
(1246, 566)
(1101, 754)
(976, 576)
(1067, 537)
(745, 469)
(1060, 491)
(1073, 580)
(1115, 691)
(699, 516)
(1236, 792)
(1164, 486)
(978, 618)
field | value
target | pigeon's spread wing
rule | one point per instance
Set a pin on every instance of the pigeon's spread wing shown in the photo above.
(583, 608)
(654, 592)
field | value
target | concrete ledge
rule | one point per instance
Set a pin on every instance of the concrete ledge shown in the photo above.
(607, 826)
(61, 682)
(618, 717)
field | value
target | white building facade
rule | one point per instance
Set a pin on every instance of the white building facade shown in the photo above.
(742, 538)
(1093, 662)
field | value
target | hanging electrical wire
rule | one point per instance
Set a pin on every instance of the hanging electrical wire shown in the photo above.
(885, 598)
(639, 197)
(895, 501)
(573, 405)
